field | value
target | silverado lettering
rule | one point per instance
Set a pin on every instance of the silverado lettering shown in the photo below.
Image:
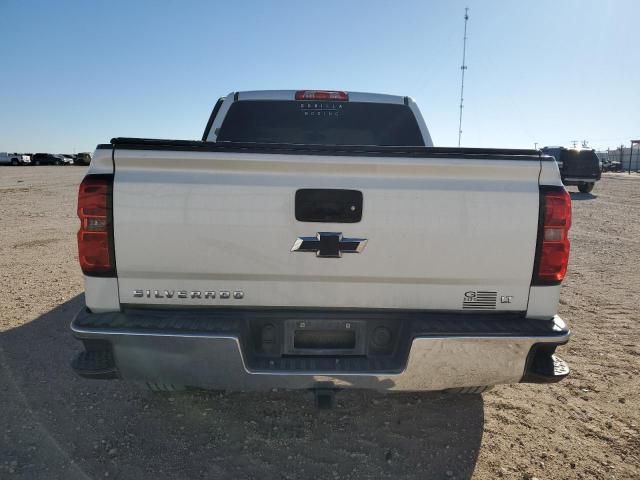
(185, 294)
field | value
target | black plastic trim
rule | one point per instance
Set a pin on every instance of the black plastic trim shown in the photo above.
(227, 320)
(96, 361)
(328, 205)
(333, 150)
(543, 366)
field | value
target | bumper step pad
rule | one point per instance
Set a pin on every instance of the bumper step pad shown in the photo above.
(97, 364)
(545, 367)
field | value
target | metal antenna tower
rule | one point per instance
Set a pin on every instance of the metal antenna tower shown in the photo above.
(463, 68)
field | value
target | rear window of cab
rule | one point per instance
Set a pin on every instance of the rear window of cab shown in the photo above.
(320, 123)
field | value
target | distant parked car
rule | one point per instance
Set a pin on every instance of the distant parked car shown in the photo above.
(14, 159)
(5, 159)
(579, 167)
(83, 159)
(47, 159)
(68, 159)
(611, 166)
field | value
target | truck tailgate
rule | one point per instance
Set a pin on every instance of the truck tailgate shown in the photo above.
(450, 233)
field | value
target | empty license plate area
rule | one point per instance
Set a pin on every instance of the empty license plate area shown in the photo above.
(324, 337)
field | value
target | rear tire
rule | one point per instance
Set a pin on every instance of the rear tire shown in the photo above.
(58, 162)
(586, 187)
(15, 162)
(37, 162)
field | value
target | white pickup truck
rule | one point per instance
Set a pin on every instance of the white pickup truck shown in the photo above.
(14, 159)
(318, 240)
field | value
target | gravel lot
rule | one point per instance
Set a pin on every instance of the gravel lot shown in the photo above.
(54, 425)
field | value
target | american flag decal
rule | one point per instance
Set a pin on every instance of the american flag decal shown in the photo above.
(479, 300)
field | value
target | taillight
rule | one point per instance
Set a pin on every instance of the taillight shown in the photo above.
(95, 237)
(322, 95)
(552, 253)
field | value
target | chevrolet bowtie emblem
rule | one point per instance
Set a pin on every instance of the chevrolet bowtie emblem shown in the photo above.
(329, 244)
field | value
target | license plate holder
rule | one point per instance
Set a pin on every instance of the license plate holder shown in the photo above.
(324, 337)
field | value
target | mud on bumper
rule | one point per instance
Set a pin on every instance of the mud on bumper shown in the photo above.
(241, 349)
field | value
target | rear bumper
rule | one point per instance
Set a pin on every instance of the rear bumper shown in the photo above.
(211, 349)
(579, 180)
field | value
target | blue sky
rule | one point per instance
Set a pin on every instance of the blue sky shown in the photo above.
(76, 73)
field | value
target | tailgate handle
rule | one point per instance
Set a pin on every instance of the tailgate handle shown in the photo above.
(328, 205)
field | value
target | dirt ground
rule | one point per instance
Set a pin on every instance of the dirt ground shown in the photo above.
(54, 425)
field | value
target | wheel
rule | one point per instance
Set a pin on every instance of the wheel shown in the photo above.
(37, 162)
(14, 162)
(586, 187)
(58, 162)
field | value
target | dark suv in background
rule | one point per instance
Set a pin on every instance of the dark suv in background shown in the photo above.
(46, 159)
(579, 167)
(83, 158)
(50, 159)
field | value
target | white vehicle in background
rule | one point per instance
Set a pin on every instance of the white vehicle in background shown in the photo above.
(68, 159)
(318, 240)
(14, 159)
